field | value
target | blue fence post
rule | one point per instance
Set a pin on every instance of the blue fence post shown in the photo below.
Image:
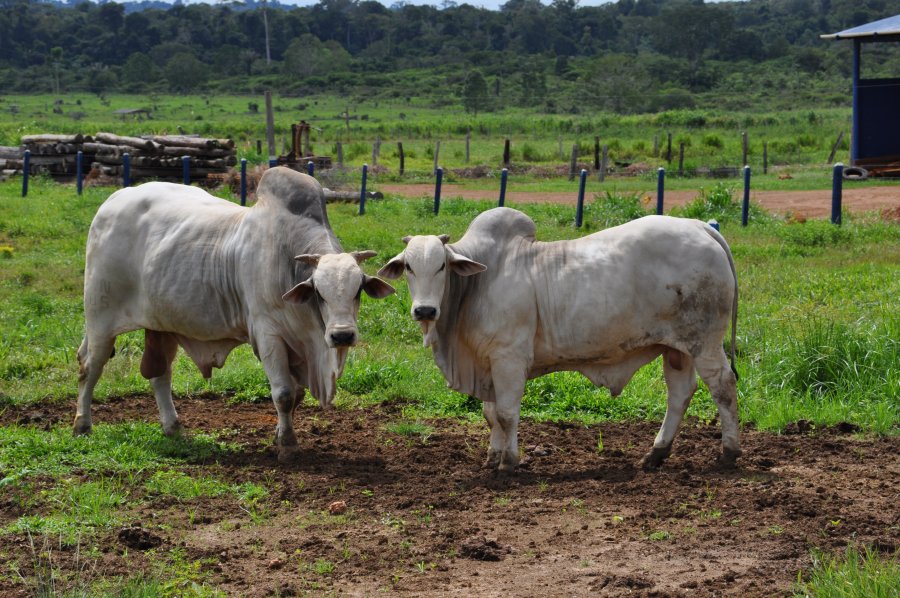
(713, 223)
(126, 170)
(660, 189)
(745, 204)
(311, 168)
(79, 174)
(837, 178)
(579, 207)
(26, 170)
(243, 181)
(186, 169)
(273, 162)
(504, 174)
(437, 189)
(362, 190)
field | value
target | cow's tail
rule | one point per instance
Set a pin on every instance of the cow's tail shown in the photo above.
(734, 307)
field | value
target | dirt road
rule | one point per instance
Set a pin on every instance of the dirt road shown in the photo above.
(809, 204)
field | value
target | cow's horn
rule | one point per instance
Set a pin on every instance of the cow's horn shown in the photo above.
(361, 256)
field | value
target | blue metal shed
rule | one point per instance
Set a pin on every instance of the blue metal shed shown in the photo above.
(875, 139)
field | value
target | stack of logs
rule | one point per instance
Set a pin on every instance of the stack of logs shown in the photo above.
(151, 156)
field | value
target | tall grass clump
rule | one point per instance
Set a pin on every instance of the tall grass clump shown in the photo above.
(719, 203)
(857, 574)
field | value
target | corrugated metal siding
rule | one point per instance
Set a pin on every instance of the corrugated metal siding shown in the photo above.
(888, 26)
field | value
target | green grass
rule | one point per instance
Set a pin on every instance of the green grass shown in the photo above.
(858, 573)
(817, 336)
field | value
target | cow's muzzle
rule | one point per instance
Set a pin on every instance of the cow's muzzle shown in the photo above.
(424, 313)
(342, 338)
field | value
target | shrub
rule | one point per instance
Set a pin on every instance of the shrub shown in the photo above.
(613, 209)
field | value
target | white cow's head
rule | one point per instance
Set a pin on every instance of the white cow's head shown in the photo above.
(428, 261)
(336, 284)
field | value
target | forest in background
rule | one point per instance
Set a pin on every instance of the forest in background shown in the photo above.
(626, 57)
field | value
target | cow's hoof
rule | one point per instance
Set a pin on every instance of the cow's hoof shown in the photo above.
(493, 459)
(729, 457)
(508, 463)
(288, 454)
(174, 430)
(81, 427)
(654, 459)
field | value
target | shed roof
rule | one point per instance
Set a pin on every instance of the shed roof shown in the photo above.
(884, 27)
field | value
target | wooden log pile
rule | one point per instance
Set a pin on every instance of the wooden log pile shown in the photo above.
(151, 156)
(160, 156)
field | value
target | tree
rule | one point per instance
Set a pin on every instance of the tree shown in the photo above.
(139, 72)
(185, 73)
(475, 93)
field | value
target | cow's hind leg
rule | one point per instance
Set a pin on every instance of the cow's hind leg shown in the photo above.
(681, 381)
(717, 374)
(156, 365)
(93, 354)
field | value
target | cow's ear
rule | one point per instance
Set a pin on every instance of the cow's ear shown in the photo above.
(377, 288)
(394, 268)
(309, 258)
(406, 239)
(300, 293)
(361, 256)
(444, 239)
(464, 266)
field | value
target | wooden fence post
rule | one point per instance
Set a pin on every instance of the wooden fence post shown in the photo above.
(402, 158)
(573, 162)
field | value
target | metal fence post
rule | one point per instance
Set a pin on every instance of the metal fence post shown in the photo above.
(745, 204)
(26, 170)
(579, 207)
(186, 169)
(837, 183)
(79, 175)
(126, 170)
(437, 189)
(311, 168)
(660, 189)
(504, 174)
(362, 190)
(243, 181)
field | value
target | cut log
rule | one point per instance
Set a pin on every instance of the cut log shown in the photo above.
(53, 138)
(10, 152)
(137, 142)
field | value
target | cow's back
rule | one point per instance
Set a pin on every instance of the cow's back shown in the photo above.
(159, 254)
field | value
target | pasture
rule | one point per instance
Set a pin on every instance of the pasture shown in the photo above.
(388, 494)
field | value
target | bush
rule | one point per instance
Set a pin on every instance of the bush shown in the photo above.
(613, 209)
(814, 233)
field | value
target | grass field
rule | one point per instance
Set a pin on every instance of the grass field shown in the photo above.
(818, 339)
(796, 140)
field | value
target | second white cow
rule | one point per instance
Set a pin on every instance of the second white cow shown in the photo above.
(499, 307)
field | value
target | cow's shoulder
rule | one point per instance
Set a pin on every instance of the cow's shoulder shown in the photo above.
(501, 224)
(299, 194)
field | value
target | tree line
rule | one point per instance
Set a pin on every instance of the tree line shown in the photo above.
(626, 56)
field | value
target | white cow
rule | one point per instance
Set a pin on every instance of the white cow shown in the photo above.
(203, 273)
(500, 307)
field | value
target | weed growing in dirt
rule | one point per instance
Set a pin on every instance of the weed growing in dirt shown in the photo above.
(409, 429)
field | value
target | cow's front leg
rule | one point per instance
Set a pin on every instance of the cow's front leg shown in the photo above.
(509, 385)
(274, 356)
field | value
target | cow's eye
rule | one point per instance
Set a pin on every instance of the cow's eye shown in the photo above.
(441, 269)
(409, 268)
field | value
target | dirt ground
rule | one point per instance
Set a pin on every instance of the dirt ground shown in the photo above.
(808, 204)
(423, 518)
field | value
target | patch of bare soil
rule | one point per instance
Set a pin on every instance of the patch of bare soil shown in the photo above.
(423, 518)
(805, 204)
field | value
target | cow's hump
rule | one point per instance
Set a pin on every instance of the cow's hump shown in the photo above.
(502, 224)
(298, 193)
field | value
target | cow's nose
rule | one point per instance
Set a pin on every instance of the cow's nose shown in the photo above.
(424, 312)
(343, 338)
